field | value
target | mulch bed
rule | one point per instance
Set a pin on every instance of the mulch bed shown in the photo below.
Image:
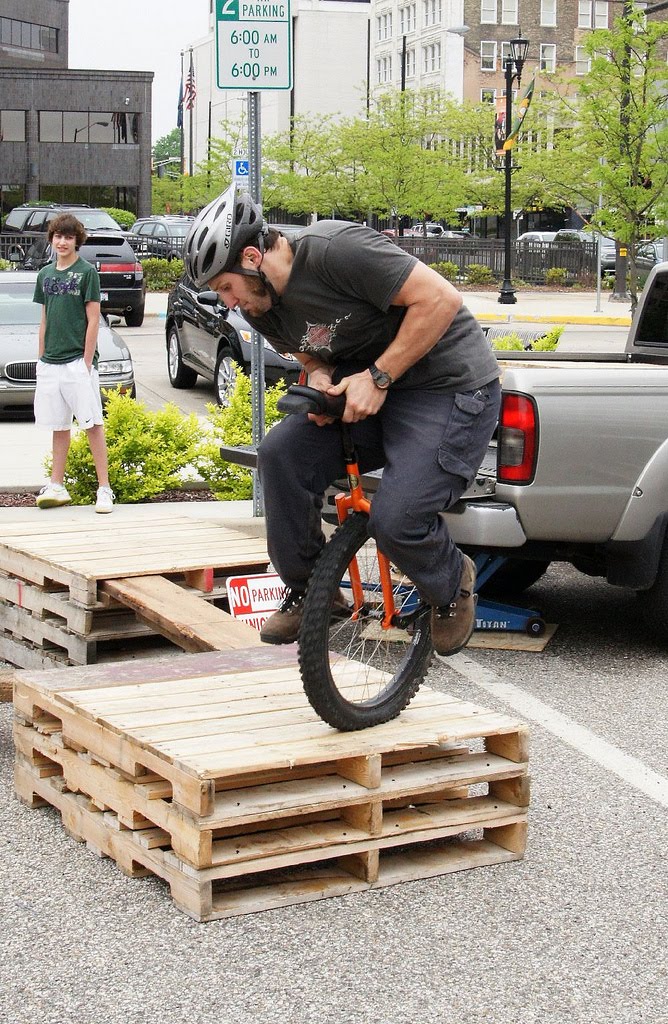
(26, 499)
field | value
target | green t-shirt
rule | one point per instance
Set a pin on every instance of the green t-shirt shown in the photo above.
(64, 294)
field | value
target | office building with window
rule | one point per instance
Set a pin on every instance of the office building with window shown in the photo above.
(68, 135)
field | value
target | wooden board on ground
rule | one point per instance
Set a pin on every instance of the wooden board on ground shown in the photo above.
(212, 772)
(502, 640)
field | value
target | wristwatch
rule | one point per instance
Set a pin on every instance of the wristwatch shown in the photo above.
(381, 379)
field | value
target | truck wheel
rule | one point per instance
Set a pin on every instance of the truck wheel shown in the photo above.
(514, 576)
(654, 602)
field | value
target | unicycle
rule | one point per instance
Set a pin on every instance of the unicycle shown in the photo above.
(365, 636)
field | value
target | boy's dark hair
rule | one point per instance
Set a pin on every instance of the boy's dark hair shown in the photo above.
(67, 224)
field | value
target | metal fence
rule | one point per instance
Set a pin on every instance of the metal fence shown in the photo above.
(529, 262)
(17, 245)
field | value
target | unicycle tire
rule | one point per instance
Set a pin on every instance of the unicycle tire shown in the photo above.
(355, 674)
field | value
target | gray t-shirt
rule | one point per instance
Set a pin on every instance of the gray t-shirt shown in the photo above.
(337, 307)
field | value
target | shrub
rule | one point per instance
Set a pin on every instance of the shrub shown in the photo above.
(232, 425)
(508, 343)
(556, 276)
(6, 265)
(549, 341)
(446, 269)
(149, 452)
(161, 275)
(478, 273)
(125, 218)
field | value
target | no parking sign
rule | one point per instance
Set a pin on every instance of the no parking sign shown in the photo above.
(253, 598)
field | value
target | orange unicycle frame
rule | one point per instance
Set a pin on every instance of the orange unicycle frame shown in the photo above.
(356, 501)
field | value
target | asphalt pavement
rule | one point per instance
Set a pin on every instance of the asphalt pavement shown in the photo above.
(573, 934)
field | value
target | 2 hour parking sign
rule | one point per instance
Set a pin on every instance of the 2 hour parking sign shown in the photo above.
(253, 44)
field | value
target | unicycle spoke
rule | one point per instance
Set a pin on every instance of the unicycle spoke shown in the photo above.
(356, 671)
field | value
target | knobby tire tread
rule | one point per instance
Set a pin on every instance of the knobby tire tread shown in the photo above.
(314, 661)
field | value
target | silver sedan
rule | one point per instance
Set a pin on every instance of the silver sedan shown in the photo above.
(19, 344)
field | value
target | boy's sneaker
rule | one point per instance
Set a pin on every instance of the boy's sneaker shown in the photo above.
(105, 500)
(452, 626)
(52, 496)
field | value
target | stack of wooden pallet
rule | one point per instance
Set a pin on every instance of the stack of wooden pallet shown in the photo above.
(56, 604)
(212, 772)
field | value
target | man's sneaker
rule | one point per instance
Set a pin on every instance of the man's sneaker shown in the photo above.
(452, 626)
(105, 500)
(283, 626)
(52, 496)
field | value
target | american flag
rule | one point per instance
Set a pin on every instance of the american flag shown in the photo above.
(190, 91)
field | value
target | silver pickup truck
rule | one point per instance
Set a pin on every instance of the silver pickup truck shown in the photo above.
(578, 470)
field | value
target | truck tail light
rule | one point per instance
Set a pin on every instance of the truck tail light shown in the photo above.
(517, 439)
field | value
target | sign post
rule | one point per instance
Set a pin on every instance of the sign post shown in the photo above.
(254, 52)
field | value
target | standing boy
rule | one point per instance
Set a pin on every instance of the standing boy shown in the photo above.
(68, 384)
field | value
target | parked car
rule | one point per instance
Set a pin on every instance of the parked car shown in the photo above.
(207, 340)
(29, 219)
(19, 344)
(161, 236)
(535, 238)
(577, 237)
(648, 255)
(123, 289)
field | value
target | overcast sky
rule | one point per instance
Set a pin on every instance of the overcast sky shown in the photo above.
(139, 35)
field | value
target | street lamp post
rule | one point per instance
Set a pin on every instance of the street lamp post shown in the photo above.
(513, 72)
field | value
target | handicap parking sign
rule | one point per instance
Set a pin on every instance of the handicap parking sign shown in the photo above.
(241, 170)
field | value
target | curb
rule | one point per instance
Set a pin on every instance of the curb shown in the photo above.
(529, 318)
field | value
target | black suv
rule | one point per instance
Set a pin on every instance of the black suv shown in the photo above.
(122, 285)
(161, 236)
(29, 219)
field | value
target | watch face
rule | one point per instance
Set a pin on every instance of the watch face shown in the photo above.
(381, 380)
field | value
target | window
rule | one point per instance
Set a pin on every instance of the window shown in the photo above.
(384, 26)
(505, 54)
(488, 12)
(384, 70)
(509, 12)
(431, 57)
(548, 13)
(431, 12)
(88, 126)
(407, 19)
(592, 14)
(12, 125)
(582, 61)
(410, 63)
(488, 95)
(28, 36)
(488, 55)
(548, 57)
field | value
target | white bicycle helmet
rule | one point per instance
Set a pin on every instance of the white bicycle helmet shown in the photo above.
(220, 231)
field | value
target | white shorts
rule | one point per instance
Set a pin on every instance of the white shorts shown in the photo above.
(66, 390)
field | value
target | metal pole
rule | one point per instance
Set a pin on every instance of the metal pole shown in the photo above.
(192, 111)
(507, 293)
(257, 349)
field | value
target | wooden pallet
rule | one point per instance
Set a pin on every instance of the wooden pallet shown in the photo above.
(56, 600)
(212, 772)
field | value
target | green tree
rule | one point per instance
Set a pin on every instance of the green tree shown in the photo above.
(168, 146)
(610, 144)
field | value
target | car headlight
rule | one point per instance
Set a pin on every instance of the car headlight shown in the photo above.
(246, 335)
(114, 367)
